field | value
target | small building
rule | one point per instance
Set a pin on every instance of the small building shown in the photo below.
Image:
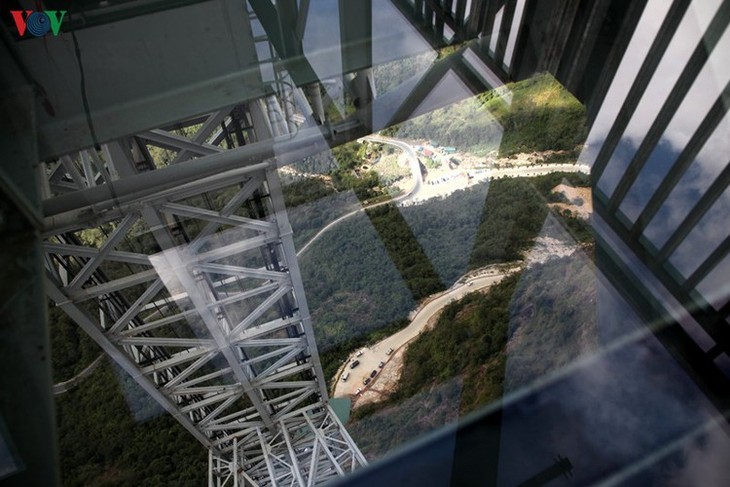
(427, 153)
(449, 150)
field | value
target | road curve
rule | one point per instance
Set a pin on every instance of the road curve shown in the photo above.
(67, 385)
(415, 172)
(481, 175)
(372, 356)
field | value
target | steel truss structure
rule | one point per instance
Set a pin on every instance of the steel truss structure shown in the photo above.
(172, 248)
(196, 292)
(308, 449)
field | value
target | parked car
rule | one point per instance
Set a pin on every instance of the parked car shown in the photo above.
(373, 373)
(344, 377)
(354, 364)
(358, 391)
(390, 350)
(381, 364)
(366, 381)
(360, 352)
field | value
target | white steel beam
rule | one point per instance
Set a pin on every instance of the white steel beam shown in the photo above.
(210, 313)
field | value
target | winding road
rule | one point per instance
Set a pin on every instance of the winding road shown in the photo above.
(373, 355)
(417, 177)
(415, 171)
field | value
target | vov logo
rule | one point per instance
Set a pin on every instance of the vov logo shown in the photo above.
(38, 23)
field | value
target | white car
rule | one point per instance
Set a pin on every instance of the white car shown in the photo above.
(344, 377)
(359, 353)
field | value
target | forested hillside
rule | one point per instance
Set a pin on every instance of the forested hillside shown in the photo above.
(362, 279)
(552, 319)
(374, 267)
(536, 114)
(526, 327)
(454, 367)
(110, 432)
(103, 443)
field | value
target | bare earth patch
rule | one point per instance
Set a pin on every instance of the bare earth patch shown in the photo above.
(583, 210)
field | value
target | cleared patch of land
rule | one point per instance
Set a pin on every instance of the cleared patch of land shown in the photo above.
(581, 203)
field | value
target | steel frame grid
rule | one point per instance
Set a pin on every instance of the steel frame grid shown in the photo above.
(211, 382)
(209, 317)
(264, 401)
(310, 448)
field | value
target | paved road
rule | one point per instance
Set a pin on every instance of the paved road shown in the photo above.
(416, 173)
(411, 195)
(67, 385)
(372, 356)
(416, 176)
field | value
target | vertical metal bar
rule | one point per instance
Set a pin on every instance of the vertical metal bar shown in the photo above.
(88, 169)
(583, 40)
(265, 452)
(292, 454)
(630, 20)
(504, 28)
(459, 16)
(45, 185)
(557, 28)
(487, 22)
(210, 467)
(442, 12)
(325, 447)
(356, 35)
(313, 465)
(119, 159)
(234, 465)
(290, 254)
(73, 171)
(315, 97)
(476, 18)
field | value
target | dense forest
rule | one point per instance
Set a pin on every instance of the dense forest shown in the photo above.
(373, 267)
(458, 364)
(483, 346)
(109, 431)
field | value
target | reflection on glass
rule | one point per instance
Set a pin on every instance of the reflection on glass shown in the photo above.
(414, 247)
